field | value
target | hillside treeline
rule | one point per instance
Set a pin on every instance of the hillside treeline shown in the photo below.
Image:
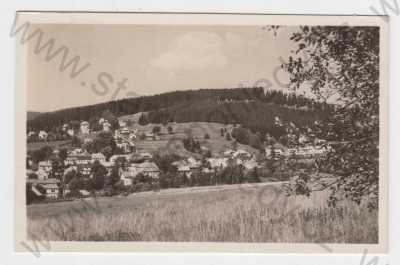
(252, 106)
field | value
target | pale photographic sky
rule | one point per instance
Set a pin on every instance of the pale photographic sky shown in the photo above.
(155, 59)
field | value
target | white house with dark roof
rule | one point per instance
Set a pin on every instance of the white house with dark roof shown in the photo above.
(114, 158)
(85, 127)
(43, 135)
(46, 165)
(78, 158)
(150, 136)
(146, 168)
(122, 123)
(44, 169)
(70, 132)
(99, 157)
(50, 187)
(127, 177)
(182, 167)
(106, 126)
(108, 165)
(149, 169)
(218, 163)
(145, 155)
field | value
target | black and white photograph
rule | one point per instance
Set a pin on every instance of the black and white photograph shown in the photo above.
(252, 131)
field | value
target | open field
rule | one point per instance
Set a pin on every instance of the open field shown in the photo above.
(217, 144)
(236, 213)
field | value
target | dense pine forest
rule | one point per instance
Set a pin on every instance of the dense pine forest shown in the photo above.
(251, 107)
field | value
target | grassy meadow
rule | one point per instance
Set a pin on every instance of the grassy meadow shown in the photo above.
(166, 142)
(236, 213)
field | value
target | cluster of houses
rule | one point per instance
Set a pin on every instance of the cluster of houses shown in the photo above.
(278, 150)
(81, 161)
(191, 165)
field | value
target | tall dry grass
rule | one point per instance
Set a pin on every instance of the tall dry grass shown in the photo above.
(237, 215)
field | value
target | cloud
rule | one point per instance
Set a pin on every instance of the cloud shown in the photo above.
(192, 51)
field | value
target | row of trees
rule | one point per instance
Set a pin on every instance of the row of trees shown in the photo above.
(99, 179)
(103, 143)
(228, 175)
(245, 136)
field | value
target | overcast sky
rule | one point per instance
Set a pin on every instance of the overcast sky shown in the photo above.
(154, 59)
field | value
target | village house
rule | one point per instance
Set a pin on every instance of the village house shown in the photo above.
(70, 132)
(194, 163)
(31, 133)
(122, 132)
(126, 147)
(241, 153)
(145, 155)
(277, 149)
(309, 151)
(108, 165)
(127, 177)
(207, 170)
(82, 193)
(44, 168)
(125, 131)
(149, 136)
(228, 152)
(303, 139)
(87, 140)
(84, 169)
(187, 167)
(78, 158)
(99, 157)
(48, 188)
(43, 135)
(250, 164)
(182, 167)
(291, 152)
(106, 126)
(85, 127)
(148, 169)
(52, 190)
(42, 175)
(122, 123)
(132, 136)
(319, 142)
(114, 158)
(218, 163)
(31, 174)
(241, 156)
(29, 161)
(124, 140)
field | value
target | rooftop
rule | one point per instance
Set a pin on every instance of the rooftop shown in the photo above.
(44, 181)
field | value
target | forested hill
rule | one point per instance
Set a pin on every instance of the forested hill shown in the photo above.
(32, 115)
(218, 105)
